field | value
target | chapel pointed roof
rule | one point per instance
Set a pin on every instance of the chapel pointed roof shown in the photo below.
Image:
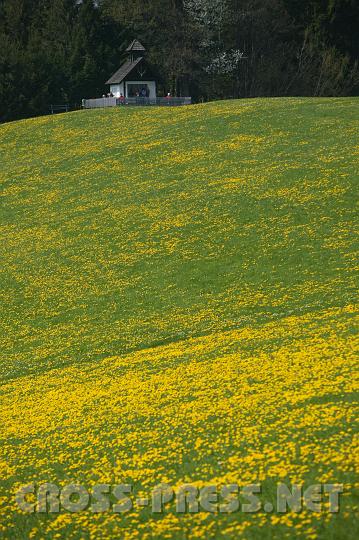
(135, 46)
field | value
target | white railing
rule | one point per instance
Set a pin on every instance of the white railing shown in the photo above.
(99, 103)
(144, 101)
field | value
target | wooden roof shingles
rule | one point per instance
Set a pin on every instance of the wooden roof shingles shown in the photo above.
(123, 71)
(135, 46)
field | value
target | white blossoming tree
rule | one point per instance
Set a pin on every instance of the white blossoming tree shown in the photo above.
(210, 17)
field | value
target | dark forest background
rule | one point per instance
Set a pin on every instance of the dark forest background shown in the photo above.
(60, 51)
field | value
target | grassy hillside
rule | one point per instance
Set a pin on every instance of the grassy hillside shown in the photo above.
(178, 295)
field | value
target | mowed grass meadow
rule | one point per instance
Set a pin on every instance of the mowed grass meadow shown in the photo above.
(178, 305)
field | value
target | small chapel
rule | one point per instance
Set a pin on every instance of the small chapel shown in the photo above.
(134, 77)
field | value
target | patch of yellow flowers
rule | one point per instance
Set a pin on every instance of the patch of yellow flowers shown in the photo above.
(208, 410)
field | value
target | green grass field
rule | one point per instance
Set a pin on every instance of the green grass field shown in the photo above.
(179, 305)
